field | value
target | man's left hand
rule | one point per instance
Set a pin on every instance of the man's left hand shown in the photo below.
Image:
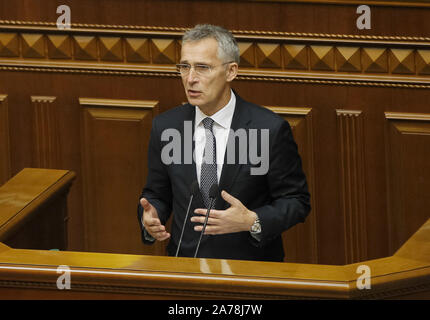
(237, 218)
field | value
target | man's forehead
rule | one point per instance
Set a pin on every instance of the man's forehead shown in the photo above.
(206, 48)
(206, 41)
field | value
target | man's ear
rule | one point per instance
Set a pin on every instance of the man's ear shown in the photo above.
(232, 71)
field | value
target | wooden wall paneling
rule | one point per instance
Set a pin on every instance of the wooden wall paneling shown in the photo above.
(384, 61)
(352, 183)
(114, 136)
(408, 174)
(394, 17)
(46, 129)
(300, 242)
(5, 170)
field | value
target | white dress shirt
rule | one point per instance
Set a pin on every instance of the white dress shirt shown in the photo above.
(221, 128)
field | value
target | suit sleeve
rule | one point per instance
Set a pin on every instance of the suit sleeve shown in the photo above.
(158, 188)
(287, 187)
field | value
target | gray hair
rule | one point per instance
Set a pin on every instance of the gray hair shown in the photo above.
(227, 45)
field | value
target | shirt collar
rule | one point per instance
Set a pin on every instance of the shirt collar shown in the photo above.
(222, 117)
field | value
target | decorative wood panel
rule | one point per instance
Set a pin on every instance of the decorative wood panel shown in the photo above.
(402, 61)
(85, 47)
(114, 137)
(46, 128)
(164, 51)
(247, 54)
(111, 49)
(348, 59)
(59, 46)
(295, 56)
(137, 50)
(271, 56)
(322, 58)
(32, 45)
(5, 172)
(352, 183)
(423, 61)
(300, 242)
(268, 55)
(375, 60)
(408, 173)
(9, 44)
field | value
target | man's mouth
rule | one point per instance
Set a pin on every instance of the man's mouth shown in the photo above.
(193, 93)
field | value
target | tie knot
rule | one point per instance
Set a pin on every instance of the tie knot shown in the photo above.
(208, 123)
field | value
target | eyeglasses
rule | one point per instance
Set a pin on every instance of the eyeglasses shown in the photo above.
(200, 69)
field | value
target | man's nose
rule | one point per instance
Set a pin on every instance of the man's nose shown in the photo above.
(192, 76)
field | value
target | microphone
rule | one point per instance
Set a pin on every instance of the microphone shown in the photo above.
(213, 193)
(194, 189)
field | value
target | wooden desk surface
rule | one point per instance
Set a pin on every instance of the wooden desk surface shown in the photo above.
(23, 193)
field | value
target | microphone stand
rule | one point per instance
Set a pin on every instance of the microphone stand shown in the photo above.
(212, 195)
(194, 190)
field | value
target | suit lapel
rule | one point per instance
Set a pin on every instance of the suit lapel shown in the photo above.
(241, 119)
(190, 170)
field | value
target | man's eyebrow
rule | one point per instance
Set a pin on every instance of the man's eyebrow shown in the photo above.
(199, 63)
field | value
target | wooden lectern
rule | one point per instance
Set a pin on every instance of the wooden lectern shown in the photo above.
(38, 274)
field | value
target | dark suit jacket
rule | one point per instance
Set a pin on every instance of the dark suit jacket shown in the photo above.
(280, 197)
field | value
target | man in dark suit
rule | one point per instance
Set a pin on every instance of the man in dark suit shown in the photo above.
(247, 149)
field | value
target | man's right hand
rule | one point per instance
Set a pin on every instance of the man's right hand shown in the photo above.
(152, 223)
